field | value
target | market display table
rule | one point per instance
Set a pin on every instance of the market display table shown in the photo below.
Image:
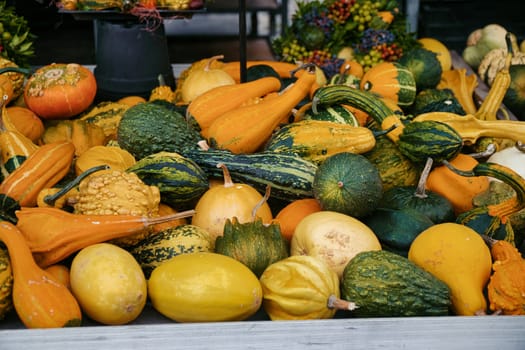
(408, 333)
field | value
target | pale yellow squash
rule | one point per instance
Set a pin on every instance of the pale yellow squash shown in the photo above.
(333, 237)
(108, 283)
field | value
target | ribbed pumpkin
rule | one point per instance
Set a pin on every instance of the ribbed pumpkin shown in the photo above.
(299, 288)
(390, 80)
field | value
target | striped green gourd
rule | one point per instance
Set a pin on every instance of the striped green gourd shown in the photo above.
(289, 175)
(416, 141)
(183, 239)
(330, 95)
(421, 140)
(180, 180)
(334, 113)
(316, 140)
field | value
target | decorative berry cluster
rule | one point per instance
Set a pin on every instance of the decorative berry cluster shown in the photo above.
(373, 31)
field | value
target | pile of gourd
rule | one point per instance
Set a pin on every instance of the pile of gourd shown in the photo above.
(370, 194)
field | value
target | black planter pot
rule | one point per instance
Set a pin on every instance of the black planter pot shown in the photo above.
(129, 58)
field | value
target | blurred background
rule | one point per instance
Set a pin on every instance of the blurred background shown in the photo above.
(62, 37)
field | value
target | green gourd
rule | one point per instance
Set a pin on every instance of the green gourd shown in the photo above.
(385, 284)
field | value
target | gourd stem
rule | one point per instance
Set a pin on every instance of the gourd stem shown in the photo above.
(420, 189)
(341, 78)
(15, 70)
(520, 146)
(226, 175)
(50, 199)
(263, 200)
(213, 58)
(340, 304)
(467, 173)
(491, 148)
(309, 67)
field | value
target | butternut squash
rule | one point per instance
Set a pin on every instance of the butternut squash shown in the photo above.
(205, 108)
(40, 299)
(246, 129)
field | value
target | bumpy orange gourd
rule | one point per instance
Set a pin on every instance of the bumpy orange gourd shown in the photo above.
(40, 300)
(506, 289)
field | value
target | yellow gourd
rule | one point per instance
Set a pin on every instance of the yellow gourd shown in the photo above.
(299, 288)
(457, 255)
(204, 287)
(108, 283)
(202, 80)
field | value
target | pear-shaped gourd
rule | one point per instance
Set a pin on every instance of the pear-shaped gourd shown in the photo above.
(457, 255)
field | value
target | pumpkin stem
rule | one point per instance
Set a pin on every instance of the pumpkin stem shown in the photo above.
(263, 200)
(226, 174)
(207, 67)
(420, 189)
(340, 304)
(50, 199)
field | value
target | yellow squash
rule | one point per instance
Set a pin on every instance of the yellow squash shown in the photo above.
(204, 287)
(457, 255)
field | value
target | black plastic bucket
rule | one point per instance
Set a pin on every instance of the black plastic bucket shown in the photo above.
(129, 58)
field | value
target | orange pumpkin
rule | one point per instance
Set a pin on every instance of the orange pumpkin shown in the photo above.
(60, 90)
(289, 216)
(390, 80)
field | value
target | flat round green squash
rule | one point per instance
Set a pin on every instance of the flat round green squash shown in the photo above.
(348, 183)
(149, 127)
(431, 204)
(397, 228)
(425, 67)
